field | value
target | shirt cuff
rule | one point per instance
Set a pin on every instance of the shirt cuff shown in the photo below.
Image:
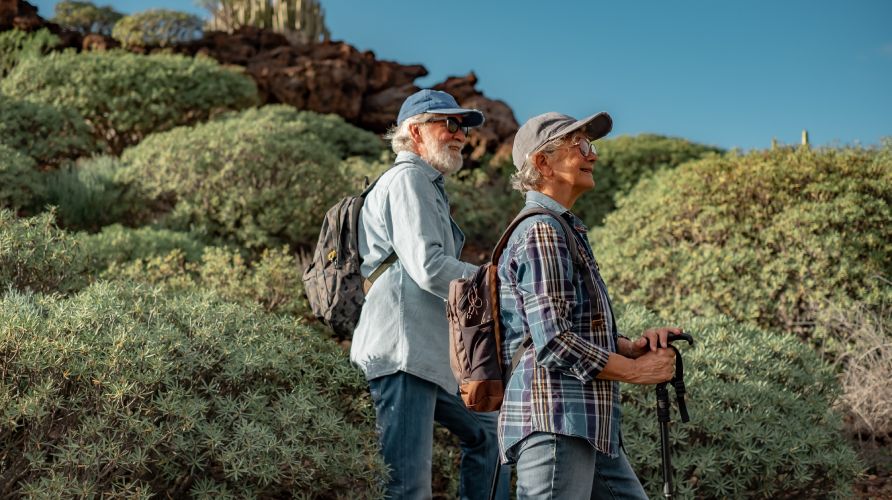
(591, 361)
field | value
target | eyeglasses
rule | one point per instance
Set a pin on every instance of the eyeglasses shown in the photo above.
(452, 124)
(585, 147)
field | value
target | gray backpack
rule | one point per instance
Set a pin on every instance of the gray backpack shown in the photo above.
(333, 283)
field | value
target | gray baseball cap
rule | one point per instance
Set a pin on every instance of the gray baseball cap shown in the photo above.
(542, 128)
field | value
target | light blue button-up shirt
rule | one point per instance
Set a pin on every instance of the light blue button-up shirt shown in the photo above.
(403, 322)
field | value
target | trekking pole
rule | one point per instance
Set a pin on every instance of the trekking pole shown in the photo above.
(663, 409)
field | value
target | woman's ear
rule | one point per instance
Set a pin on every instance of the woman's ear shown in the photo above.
(540, 161)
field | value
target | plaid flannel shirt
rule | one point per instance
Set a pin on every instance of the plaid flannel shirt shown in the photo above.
(553, 388)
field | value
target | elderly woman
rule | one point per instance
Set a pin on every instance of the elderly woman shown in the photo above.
(560, 420)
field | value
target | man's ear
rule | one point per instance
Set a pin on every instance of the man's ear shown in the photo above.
(415, 133)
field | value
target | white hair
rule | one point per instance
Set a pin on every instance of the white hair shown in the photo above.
(399, 136)
(528, 178)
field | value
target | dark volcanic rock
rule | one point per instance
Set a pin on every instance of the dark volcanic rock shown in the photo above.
(95, 41)
(497, 133)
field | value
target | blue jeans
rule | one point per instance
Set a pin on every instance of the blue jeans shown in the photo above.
(406, 408)
(554, 466)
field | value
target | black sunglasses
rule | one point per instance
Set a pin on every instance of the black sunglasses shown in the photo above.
(452, 124)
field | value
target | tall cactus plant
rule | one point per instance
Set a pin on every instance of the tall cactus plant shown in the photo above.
(304, 18)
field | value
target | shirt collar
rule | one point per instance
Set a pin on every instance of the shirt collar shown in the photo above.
(545, 201)
(418, 161)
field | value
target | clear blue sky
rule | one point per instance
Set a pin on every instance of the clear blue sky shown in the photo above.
(722, 73)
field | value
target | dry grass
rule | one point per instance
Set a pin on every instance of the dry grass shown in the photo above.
(866, 369)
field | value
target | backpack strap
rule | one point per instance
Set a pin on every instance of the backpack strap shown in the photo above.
(368, 282)
(574, 254)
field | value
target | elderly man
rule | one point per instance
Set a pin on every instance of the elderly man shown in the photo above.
(560, 420)
(401, 341)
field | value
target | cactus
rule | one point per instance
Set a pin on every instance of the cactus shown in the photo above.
(305, 18)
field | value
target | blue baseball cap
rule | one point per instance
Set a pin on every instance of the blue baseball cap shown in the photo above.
(437, 102)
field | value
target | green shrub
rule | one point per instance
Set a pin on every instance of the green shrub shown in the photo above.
(764, 237)
(340, 138)
(761, 419)
(625, 160)
(21, 186)
(128, 390)
(51, 136)
(274, 281)
(126, 96)
(159, 27)
(16, 45)
(116, 244)
(88, 197)
(261, 179)
(35, 255)
(180, 260)
(483, 204)
(86, 17)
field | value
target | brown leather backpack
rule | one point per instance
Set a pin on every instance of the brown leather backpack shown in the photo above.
(475, 331)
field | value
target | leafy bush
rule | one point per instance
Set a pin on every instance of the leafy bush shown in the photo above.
(86, 17)
(181, 261)
(35, 255)
(761, 419)
(132, 391)
(482, 204)
(16, 45)
(117, 244)
(765, 237)
(21, 186)
(159, 27)
(274, 281)
(340, 138)
(51, 136)
(260, 179)
(625, 160)
(88, 197)
(126, 96)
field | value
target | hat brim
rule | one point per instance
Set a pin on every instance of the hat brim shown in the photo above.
(470, 117)
(595, 127)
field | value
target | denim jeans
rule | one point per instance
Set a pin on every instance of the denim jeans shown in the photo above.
(554, 466)
(406, 408)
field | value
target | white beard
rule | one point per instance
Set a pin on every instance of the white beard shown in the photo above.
(445, 160)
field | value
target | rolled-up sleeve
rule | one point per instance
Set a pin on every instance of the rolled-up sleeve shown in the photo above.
(545, 281)
(416, 226)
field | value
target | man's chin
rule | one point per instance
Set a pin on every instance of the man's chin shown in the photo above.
(450, 166)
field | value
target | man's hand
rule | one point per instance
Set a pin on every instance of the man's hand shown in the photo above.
(654, 367)
(648, 341)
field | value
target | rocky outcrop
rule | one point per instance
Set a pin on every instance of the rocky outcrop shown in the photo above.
(329, 77)
(497, 134)
(95, 41)
(20, 15)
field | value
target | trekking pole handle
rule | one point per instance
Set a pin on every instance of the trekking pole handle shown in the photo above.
(680, 336)
(675, 336)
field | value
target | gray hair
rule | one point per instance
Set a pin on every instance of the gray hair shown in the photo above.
(528, 178)
(399, 136)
